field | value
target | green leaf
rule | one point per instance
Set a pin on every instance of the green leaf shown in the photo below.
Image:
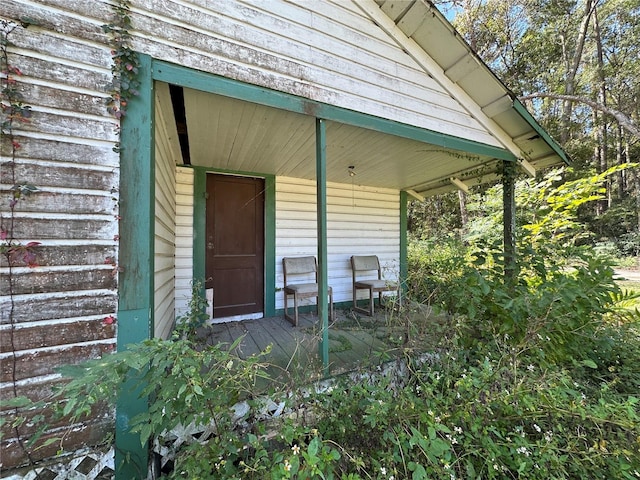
(419, 473)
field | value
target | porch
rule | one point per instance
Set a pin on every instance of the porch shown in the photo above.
(355, 341)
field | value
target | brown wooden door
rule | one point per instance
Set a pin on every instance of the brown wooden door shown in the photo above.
(235, 244)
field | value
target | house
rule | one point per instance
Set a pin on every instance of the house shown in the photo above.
(259, 129)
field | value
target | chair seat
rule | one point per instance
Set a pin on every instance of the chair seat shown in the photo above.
(303, 288)
(376, 284)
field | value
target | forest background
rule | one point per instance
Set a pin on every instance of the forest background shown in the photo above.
(575, 64)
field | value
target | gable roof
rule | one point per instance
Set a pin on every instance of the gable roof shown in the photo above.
(459, 132)
(419, 26)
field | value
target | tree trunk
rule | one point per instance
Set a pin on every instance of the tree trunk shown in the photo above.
(601, 160)
(572, 65)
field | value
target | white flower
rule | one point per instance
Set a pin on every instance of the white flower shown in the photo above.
(287, 465)
(548, 436)
(531, 368)
(295, 449)
(457, 429)
(383, 470)
(453, 440)
(537, 428)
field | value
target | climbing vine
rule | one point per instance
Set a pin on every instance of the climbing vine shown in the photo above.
(125, 64)
(15, 253)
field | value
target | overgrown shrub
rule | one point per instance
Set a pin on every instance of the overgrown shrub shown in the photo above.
(433, 266)
(538, 377)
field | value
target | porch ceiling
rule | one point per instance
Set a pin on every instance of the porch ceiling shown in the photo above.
(236, 135)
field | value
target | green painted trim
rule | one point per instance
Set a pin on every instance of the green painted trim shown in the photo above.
(200, 227)
(207, 82)
(270, 245)
(136, 258)
(323, 275)
(404, 266)
(199, 224)
(522, 110)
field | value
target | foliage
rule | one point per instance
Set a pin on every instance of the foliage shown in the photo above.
(434, 266)
(548, 211)
(195, 317)
(126, 64)
(576, 66)
(549, 394)
(536, 379)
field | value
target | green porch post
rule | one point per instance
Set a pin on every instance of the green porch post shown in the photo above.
(321, 187)
(509, 219)
(404, 267)
(135, 283)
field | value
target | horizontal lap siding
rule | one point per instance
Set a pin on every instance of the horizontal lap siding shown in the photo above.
(57, 311)
(165, 212)
(360, 221)
(323, 50)
(184, 239)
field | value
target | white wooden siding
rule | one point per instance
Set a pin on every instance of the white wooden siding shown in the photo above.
(360, 221)
(323, 50)
(184, 239)
(62, 311)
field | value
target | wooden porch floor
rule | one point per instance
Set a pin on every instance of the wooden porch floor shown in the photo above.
(355, 341)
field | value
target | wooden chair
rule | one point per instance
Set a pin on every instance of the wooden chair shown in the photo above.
(366, 265)
(306, 267)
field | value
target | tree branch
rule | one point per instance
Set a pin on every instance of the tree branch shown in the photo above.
(625, 121)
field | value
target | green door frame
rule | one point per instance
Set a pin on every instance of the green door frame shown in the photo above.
(199, 230)
(137, 170)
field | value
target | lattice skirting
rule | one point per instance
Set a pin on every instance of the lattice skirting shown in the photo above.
(93, 464)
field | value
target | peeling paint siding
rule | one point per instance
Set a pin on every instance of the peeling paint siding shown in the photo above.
(67, 153)
(184, 239)
(304, 48)
(360, 221)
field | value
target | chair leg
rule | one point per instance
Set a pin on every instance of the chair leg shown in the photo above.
(355, 296)
(286, 308)
(371, 302)
(332, 316)
(295, 307)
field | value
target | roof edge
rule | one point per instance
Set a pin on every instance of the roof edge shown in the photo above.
(526, 115)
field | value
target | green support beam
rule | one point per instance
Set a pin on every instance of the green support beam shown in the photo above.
(321, 188)
(135, 283)
(404, 268)
(509, 219)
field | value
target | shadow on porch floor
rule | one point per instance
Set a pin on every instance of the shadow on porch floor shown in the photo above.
(355, 341)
